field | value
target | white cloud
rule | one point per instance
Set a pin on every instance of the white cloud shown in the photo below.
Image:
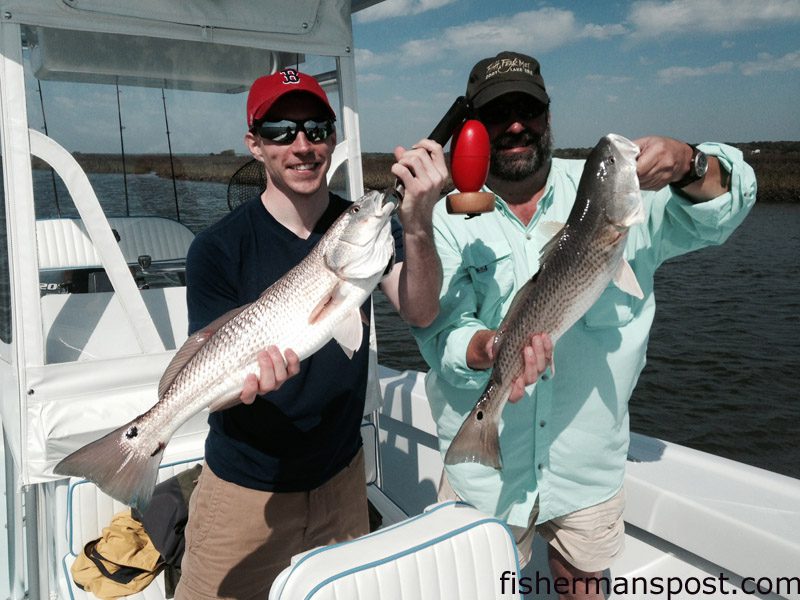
(531, 32)
(603, 32)
(398, 8)
(673, 74)
(370, 77)
(767, 62)
(651, 18)
(609, 79)
(367, 59)
(764, 63)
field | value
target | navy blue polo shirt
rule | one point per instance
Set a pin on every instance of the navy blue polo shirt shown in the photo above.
(301, 435)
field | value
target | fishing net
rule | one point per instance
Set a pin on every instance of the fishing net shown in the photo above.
(246, 183)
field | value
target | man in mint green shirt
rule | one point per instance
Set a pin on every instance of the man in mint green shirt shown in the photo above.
(565, 441)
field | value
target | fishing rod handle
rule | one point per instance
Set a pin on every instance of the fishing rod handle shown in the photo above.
(442, 133)
(454, 117)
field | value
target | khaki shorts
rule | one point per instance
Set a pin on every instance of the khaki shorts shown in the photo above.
(238, 540)
(589, 539)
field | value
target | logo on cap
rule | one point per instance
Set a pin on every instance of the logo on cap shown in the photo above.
(508, 65)
(290, 76)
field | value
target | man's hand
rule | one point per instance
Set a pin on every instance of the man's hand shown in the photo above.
(423, 173)
(537, 354)
(274, 373)
(663, 160)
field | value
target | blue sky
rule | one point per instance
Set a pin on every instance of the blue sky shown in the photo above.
(698, 70)
(721, 70)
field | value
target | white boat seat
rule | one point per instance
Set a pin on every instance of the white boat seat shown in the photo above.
(64, 243)
(450, 551)
(88, 511)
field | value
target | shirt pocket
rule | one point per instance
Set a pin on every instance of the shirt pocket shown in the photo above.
(614, 308)
(491, 270)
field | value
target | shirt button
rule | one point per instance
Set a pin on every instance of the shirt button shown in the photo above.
(542, 423)
(540, 466)
(528, 236)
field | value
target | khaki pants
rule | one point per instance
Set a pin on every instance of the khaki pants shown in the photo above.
(238, 540)
(589, 539)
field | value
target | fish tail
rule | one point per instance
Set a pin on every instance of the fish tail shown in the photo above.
(477, 440)
(122, 463)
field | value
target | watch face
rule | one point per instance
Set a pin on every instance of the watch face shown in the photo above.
(700, 163)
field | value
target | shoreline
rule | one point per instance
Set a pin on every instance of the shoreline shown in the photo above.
(777, 167)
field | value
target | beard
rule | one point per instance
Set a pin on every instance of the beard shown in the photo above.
(517, 168)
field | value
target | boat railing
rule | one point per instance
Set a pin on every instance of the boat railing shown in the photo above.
(103, 240)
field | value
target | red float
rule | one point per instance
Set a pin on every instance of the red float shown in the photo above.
(469, 165)
(469, 156)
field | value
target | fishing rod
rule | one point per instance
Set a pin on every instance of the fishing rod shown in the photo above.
(44, 124)
(171, 163)
(122, 149)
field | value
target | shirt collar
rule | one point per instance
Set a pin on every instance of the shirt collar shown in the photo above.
(544, 203)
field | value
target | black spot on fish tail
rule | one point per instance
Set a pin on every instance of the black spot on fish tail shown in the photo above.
(160, 448)
(476, 441)
(119, 466)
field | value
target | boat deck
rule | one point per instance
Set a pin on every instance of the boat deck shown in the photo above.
(694, 522)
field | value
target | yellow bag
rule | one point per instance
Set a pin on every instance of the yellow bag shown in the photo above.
(120, 563)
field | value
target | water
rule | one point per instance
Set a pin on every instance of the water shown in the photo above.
(723, 369)
(199, 204)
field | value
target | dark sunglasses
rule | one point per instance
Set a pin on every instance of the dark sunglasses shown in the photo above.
(286, 130)
(502, 112)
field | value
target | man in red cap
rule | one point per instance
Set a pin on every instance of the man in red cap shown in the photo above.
(284, 470)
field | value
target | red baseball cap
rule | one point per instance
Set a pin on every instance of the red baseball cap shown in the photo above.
(266, 90)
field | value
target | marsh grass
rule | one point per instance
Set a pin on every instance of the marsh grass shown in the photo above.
(777, 167)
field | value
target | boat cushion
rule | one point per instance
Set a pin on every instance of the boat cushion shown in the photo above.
(450, 551)
(88, 509)
(64, 243)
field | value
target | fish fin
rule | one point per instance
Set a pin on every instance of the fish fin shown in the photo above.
(327, 302)
(477, 440)
(551, 228)
(625, 279)
(191, 347)
(349, 332)
(125, 470)
(638, 215)
(552, 245)
(320, 309)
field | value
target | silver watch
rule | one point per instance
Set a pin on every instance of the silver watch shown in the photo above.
(698, 167)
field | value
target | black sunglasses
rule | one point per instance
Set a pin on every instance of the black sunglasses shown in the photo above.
(502, 112)
(286, 130)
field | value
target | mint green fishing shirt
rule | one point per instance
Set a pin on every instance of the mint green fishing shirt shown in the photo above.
(567, 439)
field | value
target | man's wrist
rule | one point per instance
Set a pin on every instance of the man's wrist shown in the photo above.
(698, 167)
